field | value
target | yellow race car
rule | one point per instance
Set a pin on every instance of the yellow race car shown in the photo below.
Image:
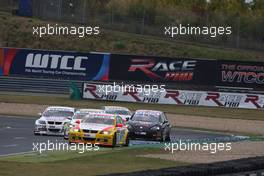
(101, 129)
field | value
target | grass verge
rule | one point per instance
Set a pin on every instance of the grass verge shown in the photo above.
(93, 163)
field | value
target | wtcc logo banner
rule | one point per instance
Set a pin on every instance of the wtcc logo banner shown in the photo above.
(160, 95)
(55, 64)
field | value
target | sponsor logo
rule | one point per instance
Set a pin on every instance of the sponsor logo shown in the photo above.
(98, 94)
(226, 100)
(256, 100)
(243, 77)
(248, 74)
(54, 61)
(174, 71)
(190, 98)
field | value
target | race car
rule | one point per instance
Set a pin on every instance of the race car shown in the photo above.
(101, 129)
(149, 124)
(52, 120)
(79, 115)
(123, 112)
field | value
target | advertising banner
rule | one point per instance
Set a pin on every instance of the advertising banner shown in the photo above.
(161, 69)
(56, 64)
(177, 97)
(241, 74)
(1, 61)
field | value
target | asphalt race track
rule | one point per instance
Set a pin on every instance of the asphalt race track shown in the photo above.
(17, 136)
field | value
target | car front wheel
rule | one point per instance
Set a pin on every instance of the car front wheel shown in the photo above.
(127, 142)
(114, 141)
(163, 136)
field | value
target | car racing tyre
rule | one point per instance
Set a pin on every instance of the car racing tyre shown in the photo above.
(163, 137)
(64, 136)
(114, 141)
(168, 139)
(127, 142)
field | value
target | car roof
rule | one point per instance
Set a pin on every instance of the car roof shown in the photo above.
(90, 110)
(65, 108)
(102, 115)
(149, 111)
(115, 107)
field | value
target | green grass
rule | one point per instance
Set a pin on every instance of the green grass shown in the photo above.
(17, 32)
(176, 109)
(94, 163)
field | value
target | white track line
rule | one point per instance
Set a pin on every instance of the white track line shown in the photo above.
(19, 153)
(10, 145)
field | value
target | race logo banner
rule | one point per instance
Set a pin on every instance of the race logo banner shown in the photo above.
(177, 97)
(161, 69)
(56, 64)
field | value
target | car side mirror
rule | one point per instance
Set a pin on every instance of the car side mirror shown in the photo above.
(40, 114)
(119, 125)
(127, 119)
(165, 121)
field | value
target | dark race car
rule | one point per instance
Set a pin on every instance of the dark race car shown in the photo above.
(149, 124)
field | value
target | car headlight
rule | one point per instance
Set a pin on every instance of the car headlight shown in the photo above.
(105, 132)
(42, 122)
(155, 128)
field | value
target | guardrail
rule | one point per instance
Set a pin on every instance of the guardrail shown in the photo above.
(56, 86)
(36, 85)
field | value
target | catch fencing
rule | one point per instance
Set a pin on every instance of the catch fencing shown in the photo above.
(147, 22)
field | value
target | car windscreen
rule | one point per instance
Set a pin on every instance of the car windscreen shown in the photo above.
(57, 113)
(99, 120)
(118, 111)
(145, 118)
(80, 115)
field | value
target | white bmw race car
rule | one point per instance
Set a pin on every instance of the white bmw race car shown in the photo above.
(79, 115)
(52, 120)
(123, 112)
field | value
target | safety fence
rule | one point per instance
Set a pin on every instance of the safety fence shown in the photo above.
(37, 85)
(144, 20)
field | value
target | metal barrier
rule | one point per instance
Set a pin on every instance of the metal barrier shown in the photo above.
(36, 85)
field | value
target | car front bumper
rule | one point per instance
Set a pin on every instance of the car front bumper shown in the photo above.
(47, 130)
(99, 139)
(148, 135)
